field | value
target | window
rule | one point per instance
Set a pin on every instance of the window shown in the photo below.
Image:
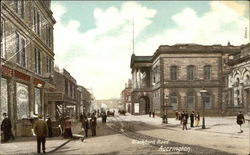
(2, 38)
(38, 106)
(190, 100)
(4, 96)
(208, 104)
(190, 72)
(174, 101)
(22, 99)
(48, 35)
(20, 7)
(207, 72)
(37, 61)
(49, 65)
(173, 73)
(36, 21)
(20, 50)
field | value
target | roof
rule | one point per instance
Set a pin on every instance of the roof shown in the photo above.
(140, 59)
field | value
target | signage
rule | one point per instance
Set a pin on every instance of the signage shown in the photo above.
(55, 96)
(7, 71)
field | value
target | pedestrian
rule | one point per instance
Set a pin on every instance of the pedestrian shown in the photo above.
(40, 129)
(67, 128)
(197, 119)
(187, 116)
(105, 117)
(49, 124)
(184, 122)
(181, 116)
(192, 119)
(153, 114)
(85, 125)
(93, 124)
(149, 113)
(6, 128)
(176, 115)
(240, 120)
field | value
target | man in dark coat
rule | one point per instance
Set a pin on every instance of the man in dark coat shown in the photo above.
(93, 124)
(240, 119)
(6, 128)
(85, 125)
(192, 119)
(49, 124)
(41, 129)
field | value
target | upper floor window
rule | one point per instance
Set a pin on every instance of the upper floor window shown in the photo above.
(190, 72)
(207, 72)
(20, 50)
(37, 61)
(173, 72)
(49, 65)
(20, 7)
(2, 38)
(36, 21)
(49, 35)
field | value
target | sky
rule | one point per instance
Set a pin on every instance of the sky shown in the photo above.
(93, 40)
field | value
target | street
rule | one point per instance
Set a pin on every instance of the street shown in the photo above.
(146, 135)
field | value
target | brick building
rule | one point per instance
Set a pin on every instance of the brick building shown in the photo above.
(172, 78)
(126, 96)
(27, 60)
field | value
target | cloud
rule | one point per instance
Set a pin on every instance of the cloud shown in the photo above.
(100, 57)
(218, 26)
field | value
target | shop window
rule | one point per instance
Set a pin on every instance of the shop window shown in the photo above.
(22, 101)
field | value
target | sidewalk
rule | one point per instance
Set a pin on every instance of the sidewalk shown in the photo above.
(28, 145)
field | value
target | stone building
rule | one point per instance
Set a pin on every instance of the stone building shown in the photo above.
(84, 99)
(237, 95)
(172, 78)
(126, 96)
(27, 61)
(65, 96)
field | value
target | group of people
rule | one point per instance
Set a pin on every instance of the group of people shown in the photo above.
(152, 113)
(183, 118)
(90, 124)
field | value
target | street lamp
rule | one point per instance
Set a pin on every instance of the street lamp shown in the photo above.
(203, 93)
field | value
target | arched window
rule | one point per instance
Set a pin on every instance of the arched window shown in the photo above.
(190, 100)
(190, 72)
(173, 73)
(174, 101)
(207, 72)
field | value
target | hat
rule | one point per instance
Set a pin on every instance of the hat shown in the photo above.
(4, 114)
(40, 116)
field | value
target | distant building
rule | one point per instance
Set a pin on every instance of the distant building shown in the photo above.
(65, 96)
(27, 61)
(85, 99)
(237, 94)
(172, 78)
(126, 96)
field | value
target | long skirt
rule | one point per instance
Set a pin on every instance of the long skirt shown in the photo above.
(67, 133)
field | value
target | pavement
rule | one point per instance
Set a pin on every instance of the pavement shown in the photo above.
(28, 145)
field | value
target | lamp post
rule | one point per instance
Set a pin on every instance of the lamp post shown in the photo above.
(203, 93)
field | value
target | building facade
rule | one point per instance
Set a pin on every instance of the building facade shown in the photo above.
(172, 78)
(84, 99)
(126, 96)
(27, 61)
(65, 97)
(237, 92)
